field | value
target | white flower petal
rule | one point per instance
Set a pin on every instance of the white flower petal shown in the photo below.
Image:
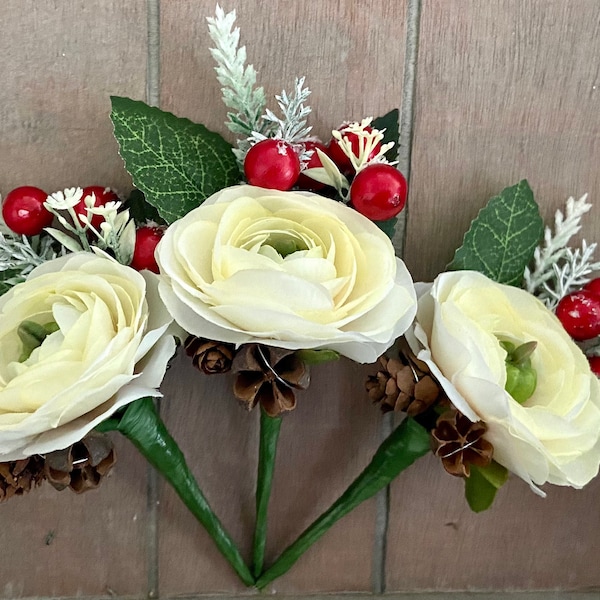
(288, 269)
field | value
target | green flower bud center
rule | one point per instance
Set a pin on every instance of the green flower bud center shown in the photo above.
(521, 377)
(285, 244)
(32, 336)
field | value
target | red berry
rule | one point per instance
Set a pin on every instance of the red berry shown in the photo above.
(24, 212)
(339, 157)
(102, 196)
(304, 181)
(379, 192)
(272, 164)
(579, 313)
(595, 365)
(593, 287)
(146, 240)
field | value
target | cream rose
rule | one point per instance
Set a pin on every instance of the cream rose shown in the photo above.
(287, 269)
(554, 436)
(104, 343)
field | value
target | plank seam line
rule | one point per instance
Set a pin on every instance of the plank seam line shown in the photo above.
(413, 17)
(153, 485)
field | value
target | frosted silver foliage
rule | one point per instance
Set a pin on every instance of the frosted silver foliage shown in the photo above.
(238, 80)
(558, 269)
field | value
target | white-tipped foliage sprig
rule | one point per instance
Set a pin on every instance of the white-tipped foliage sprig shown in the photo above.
(239, 89)
(368, 138)
(292, 127)
(117, 230)
(558, 269)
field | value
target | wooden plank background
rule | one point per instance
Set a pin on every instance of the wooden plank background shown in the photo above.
(505, 89)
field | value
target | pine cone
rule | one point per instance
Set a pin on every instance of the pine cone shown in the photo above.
(209, 356)
(268, 376)
(460, 443)
(20, 476)
(83, 465)
(404, 384)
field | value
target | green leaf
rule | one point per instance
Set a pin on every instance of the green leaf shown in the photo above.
(389, 122)
(501, 240)
(316, 357)
(269, 435)
(176, 163)
(388, 226)
(146, 430)
(140, 210)
(483, 483)
(408, 442)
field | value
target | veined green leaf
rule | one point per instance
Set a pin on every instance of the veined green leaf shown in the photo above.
(501, 240)
(177, 164)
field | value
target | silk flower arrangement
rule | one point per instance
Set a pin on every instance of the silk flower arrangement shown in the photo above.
(494, 363)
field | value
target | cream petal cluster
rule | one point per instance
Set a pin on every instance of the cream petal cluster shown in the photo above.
(108, 344)
(555, 435)
(288, 269)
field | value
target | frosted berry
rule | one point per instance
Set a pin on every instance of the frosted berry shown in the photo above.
(24, 212)
(304, 181)
(378, 192)
(579, 313)
(272, 164)
(595, 365)
(339, 157)
(146, 240)
(593, 287)
(102, 195)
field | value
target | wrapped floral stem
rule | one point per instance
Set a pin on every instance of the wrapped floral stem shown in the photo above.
(142, 425)
(269, 435)
(408, 442)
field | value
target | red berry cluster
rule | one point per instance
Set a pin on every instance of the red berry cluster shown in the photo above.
(579, 313)
(378, 191)
(24, 213)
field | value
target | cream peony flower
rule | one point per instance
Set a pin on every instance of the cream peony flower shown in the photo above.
(104, 342)
(287, 269)
(555, 435)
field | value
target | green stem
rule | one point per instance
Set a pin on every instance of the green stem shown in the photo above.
(398, 451)
(145, 429)
(269, 435)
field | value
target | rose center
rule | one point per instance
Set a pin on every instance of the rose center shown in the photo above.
(285, 244)
(32, 335)
(521, 377)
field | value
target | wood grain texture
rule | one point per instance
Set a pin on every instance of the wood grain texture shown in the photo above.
(61, 60)
(351, 53)
(505, 90)
(333, 433)
(59, 63)
(61, 544)
(523, 543)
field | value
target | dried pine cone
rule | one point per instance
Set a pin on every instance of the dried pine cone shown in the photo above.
(404, 384)
(209, 356)
(460, 443)
(268, 376)
(81, 466)
(20, 476)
